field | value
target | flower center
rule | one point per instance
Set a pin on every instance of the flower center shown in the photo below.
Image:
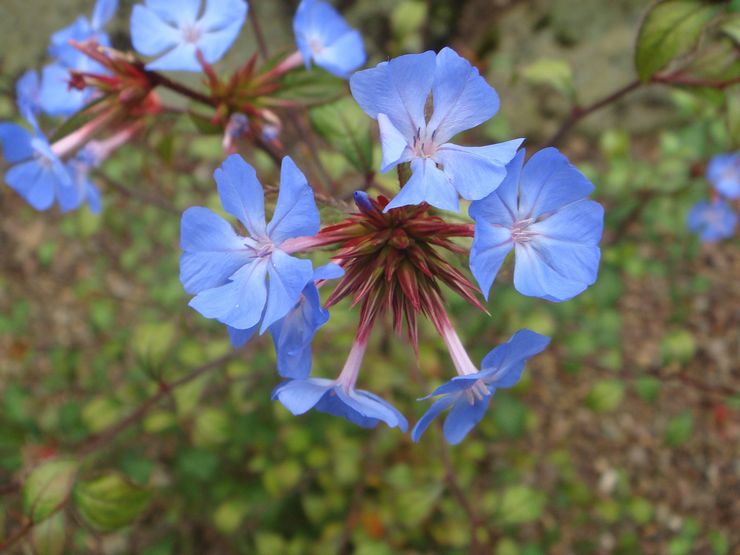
(191, 34)
(424, 147)
(477, 393)
(316, 46)
(520, 231)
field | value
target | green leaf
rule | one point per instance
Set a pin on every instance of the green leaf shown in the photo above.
(679, 429)
(671, 29)
(648, 388)
(48, 537)
(310, 88)
(605, 396)
(551, 72)
(110, 502)
(731, 27)
(345, 127)
(732, 101)
(521, 504)
(152, 342)
(47, 487)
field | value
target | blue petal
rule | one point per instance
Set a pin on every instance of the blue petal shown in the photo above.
(476, 171)
(370, 406)
(713, 221)
(103, 13)
(342, 56)
(549, 182)
(151, 35)
(723, 172)
(94, 199)
(70, 197)
(328, 271)
(292, 334)
(56, 96)
(288, 277)
(213, 250)
(398, 88)
(16, 142)
(295, 213)
(180, 13)
(427, 184)
(395, 145)
(500, 207)
(491, 244)
(34, 183)
(180, 58)
(27, 91)
(60, 47)
(462, 98)
(239, 338)
(240, 302)
(455, 385)
(221, 23)
(503, 366)
(241, 194)
(463, 417)
(437, 407)
(300, 396)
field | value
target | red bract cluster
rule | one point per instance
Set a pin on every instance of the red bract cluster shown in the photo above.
(395, 262)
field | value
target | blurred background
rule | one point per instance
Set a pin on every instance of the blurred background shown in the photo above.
(622, 438)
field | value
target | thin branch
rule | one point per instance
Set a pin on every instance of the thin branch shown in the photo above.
(18, 536)
(165, 389)
(166, 82)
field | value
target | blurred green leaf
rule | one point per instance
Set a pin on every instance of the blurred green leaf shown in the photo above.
(555, 73)
(678, 345)
(731, 27)
(732, 103)
(606, 395)
(152, 342)
(47, 488)
(671, 29)
(310, 88)
(679, 429)
(648, 388)
(49, 537)
(345, 127)
(719, 542)
(212, 427)
(110, 502)
(521, 504)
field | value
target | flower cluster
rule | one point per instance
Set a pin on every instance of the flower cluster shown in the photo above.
(714, 220)
(113, 92)
(393, 256)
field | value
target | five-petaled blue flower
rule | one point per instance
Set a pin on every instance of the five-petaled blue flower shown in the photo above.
(712, 220)
(541, 211)
(323, 36)
(57, 98)
(227, 272)
(421, 101)
(292, 334)
(723, 172)
(175, 31)
(38, 174)
(470, 394)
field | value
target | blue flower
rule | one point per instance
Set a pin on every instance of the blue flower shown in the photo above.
(27, 90)
(332, 397)
(175, 32)
(723, 172)
(421, 101)
(82, 30)
(56, 96)
(541, 212)
(292, 334)
(227, 272)
(712, 221)
(323, 36)
(469, 395)
(37, 174)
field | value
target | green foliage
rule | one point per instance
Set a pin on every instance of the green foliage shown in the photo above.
(552, 72)
(670, 29)
(679, 429)
(49, 537)
(345, 127)
(110, 502)
(47, 487)
(606, 395)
